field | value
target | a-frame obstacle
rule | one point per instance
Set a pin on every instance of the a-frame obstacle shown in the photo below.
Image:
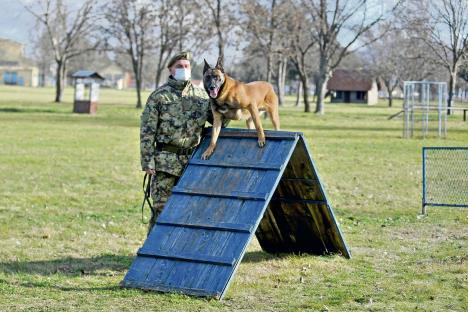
(219, 204)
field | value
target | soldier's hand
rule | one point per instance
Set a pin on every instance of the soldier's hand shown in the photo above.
(150, 171)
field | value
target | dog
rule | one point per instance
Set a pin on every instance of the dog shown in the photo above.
(235, 100)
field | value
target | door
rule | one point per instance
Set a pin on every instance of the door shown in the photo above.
(347, 96)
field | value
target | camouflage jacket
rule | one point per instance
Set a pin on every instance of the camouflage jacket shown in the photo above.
(175, 114)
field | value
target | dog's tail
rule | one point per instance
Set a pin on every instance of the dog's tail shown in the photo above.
(272, 102)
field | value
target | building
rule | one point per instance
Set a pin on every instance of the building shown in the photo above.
(116, 77)
(15, 68)
(353, 86)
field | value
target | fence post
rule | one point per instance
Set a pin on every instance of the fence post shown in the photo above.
(423, 211)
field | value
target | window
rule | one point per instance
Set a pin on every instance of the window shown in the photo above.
(360, 95)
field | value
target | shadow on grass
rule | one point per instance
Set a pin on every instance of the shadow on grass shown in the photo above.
(68, 288)
(260, 256)
(27, 110)
(103, 265)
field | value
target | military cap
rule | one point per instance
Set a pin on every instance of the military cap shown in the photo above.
(184, 55)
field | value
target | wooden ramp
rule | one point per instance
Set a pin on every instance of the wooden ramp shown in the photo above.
(219, 204)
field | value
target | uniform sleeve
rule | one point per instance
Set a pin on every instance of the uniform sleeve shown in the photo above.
(148, 128)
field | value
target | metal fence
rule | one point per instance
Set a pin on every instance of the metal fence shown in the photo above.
(425, 109)
(445, 177)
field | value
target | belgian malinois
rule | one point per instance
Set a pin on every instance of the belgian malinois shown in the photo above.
(235, 100)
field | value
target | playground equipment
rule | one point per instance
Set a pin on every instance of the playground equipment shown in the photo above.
(425, 108)
(445, 177)
(218, 205)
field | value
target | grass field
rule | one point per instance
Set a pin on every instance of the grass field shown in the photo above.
(70, 222)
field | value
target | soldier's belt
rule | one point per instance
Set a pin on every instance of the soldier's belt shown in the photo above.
(175, 149)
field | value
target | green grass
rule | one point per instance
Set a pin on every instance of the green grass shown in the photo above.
(70, 222)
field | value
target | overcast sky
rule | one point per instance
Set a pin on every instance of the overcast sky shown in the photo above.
(18, 24)
(15, 22)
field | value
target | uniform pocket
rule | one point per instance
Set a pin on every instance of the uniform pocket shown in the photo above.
(168, 162)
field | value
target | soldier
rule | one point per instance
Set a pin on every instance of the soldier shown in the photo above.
(171, 128)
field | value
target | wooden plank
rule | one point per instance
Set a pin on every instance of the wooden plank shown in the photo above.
(196, 241)
(246, 133)
(233, 227)
(187, 257)
(202, 209)
(298, 200)
(199, 292)
(186, 274)
(244, 165)
(233, 194)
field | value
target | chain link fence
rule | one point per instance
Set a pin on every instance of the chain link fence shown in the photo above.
(445, 177)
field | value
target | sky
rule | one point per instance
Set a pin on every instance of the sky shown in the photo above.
(18, 24)
(15, 22)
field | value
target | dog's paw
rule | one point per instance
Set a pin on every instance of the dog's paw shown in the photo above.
(261, 142)
(206, 155)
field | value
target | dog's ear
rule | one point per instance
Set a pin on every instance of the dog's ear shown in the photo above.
(219, 63)
(206, 67)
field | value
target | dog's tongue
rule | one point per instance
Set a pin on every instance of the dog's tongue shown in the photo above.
(214, 93)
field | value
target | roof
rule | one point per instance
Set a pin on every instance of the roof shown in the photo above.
(350, 80)
(219, 204)
(87, 74)
(11, 42)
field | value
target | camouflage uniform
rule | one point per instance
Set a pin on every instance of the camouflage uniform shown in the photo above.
(175, 115)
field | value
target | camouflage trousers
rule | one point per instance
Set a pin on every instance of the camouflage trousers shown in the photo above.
(161, 187)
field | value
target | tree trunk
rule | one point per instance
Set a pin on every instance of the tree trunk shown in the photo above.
(305, 93)
(281, 80)
(298, 92)
(321, 86)
(137, 70)
(451, 90)
(316, 80)
(159, 70)
(268, 69)
(321, 90)
(138, 90)
(43, 77)
(59, 81)
(270, 42)
(218, 27)
(390, 92)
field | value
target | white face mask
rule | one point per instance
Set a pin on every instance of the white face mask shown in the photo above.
(182, 74)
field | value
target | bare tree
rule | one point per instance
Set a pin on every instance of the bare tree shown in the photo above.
(42, 52)
(338, 27)
(261, 24)
(65, 30)
(447, 27)
(280, 76)
(129, 30)
(220, 22)
(302, 44)
(266, 26)
(165, 35)
(388, 57)
(178, 25)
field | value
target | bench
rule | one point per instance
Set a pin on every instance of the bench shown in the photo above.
(464, 109)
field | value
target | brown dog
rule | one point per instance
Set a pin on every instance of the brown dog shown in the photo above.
(235, 100)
